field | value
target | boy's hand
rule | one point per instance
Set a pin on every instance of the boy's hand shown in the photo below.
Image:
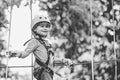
(68, 62)
(13, 53)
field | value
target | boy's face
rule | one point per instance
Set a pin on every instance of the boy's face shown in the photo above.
(43, 28)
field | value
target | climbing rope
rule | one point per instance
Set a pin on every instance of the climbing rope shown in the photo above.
(7, 54)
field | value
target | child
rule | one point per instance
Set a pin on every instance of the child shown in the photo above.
(41, 49)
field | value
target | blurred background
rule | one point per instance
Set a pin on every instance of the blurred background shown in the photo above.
(85, 31)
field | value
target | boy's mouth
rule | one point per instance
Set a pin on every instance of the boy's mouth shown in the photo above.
(44, 31)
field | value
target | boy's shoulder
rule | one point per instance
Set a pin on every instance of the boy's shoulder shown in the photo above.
(32, 40)
(44, 42)
(38, 42)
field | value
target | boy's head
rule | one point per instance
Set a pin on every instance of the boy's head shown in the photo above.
(41, 25)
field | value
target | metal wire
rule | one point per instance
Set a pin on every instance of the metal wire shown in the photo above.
(7, 54)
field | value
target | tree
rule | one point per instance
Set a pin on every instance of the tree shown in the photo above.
(72, 28)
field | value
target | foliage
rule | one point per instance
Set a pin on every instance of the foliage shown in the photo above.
(71, 20)
(4, 5)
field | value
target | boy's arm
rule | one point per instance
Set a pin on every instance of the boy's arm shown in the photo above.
(64, 61)
(33, 44)
(19, 54)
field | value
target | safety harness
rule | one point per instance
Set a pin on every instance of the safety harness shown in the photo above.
(44, 66)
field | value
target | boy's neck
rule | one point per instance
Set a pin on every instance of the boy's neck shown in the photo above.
(41, 37)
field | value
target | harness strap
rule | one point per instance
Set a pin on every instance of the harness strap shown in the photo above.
(47, 47)
(27, 41)
(48, 52)
(44, 65)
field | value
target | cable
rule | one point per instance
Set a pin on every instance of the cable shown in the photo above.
(31, 33)
(115, 54)
(92, 53)
(7, 54)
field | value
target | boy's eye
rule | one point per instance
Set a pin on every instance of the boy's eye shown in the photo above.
(44, 24)
(47, 26)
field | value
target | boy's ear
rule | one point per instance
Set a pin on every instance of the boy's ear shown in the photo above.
(50, 27)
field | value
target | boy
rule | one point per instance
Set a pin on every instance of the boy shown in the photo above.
(41, 49)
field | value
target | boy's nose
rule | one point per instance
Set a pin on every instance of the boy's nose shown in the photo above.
(45, 27)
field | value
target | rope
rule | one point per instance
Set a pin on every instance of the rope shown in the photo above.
(92, 53)
(7, 54)
(31, 34)
(115, 54)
